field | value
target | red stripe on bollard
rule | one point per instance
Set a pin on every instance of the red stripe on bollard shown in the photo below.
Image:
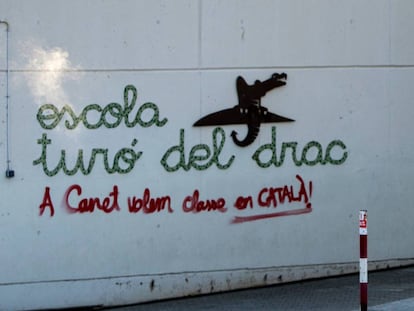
(363, 249)
(363, 259)
(364, 296)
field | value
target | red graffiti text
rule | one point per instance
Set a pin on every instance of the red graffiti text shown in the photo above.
(243, 202)
(273, 196)
(107, 204)
(47, 202)
(192, 203)
(149, 205)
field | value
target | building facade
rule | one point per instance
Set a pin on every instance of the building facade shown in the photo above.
(158, 149)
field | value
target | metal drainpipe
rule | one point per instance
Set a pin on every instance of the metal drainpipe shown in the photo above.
(9, 171)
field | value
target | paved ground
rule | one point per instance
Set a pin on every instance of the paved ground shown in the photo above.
(391, 290)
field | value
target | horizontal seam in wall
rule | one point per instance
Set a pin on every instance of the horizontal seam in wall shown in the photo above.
(197, 69)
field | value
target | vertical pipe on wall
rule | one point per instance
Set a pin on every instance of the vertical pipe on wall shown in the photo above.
(9, 171)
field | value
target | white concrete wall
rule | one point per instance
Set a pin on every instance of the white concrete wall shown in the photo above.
(350, 70)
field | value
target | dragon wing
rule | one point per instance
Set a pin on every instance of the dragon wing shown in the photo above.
(270, 117)
(235, 116)
(223, 117)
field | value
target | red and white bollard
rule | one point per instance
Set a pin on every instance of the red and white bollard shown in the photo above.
(363, 259)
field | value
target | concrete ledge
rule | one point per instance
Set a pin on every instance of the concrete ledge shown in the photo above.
(115, 291)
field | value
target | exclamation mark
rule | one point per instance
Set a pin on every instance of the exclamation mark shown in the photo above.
(309, 204)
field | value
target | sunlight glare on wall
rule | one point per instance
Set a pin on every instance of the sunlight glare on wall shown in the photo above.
(46, 71)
